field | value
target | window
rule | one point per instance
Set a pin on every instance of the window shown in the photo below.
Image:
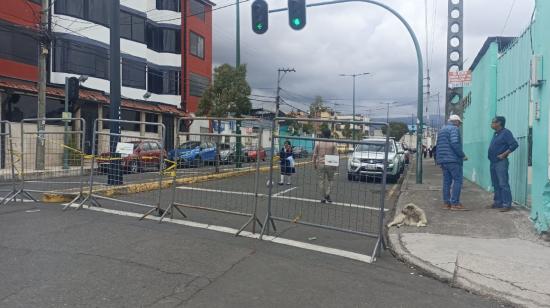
(170, 5)
(164, 81)
(197, 9)
(151, 118)
(73, 8)
(133, 73)
(98, 12)
(81, 58)
(197, 84)
(39, 2)
(17, 44)
(130, 115)
(132, 27)
(16, 107)
(163, 39)
(197, 45)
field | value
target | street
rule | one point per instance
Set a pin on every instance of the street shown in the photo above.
(106, 257)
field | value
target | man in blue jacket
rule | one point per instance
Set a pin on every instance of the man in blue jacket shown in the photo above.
(502, 144)
(450, 157)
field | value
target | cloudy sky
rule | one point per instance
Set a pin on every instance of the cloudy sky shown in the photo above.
(355, 38)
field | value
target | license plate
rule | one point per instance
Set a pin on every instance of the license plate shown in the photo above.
(370, 167)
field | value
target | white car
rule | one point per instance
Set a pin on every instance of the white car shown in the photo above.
(367, 160)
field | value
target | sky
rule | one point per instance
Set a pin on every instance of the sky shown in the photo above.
(357, 38)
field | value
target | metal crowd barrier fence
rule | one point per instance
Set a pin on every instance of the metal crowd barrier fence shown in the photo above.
(50, 160)
(7, 177)
(121, 162)
(329, 189)
(207, 166)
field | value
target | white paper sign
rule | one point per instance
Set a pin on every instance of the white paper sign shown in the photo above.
(125, 148)
(332, 160)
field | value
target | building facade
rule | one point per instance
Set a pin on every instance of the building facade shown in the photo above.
(508, 79)
(153, 67)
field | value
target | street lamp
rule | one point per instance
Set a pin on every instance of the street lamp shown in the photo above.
(388, 110)
(354, 76)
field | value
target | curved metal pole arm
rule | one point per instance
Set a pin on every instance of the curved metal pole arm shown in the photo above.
(420, 108)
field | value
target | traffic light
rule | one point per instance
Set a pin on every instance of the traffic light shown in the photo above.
(259, 16)
(297, 14)
(73, 89)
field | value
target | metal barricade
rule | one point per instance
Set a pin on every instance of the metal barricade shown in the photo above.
(51, 161)
(218, 172)
(7, 176)
(331, 183)
(126, 164)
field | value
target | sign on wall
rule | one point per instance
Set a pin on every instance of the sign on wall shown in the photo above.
(460, 79)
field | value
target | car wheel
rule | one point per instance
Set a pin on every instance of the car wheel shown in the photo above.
(350, 177)
(231, 159)
(134, 167)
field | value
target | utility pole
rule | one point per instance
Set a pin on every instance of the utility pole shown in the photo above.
(41, 112)
(238, 123)
(115, 172)
(353, 108)
(278, 98)
(427, 62)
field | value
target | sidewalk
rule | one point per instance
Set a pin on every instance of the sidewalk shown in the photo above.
(482, 250)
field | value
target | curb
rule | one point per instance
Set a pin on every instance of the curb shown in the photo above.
(60, 197)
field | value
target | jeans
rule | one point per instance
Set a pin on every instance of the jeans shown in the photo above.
(501, 185)
(452, 183)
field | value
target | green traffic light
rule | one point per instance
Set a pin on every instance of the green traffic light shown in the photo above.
(296, 21)
(259, 26)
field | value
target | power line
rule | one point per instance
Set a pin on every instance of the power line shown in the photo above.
(508, 17)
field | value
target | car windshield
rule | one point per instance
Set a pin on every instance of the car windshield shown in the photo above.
(374, 147)
(225, 146)
(189, 145)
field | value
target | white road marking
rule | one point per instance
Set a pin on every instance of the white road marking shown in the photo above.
(285, 191)
(278, 240)
(17, 200)
(282, 197)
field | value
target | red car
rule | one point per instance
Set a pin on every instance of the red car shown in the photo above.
(252, 153)
(146, 156)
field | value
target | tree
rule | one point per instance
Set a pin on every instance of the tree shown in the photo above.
(227, 94)
(347, 132)
(397, 130)
(317, 107)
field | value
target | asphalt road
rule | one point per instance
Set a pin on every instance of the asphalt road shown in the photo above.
(50, 258)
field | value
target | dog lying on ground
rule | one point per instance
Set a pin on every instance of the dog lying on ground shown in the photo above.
(411, 215)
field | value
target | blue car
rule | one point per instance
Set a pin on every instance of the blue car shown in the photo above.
(193, 153)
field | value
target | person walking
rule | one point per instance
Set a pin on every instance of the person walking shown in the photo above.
(450, 157)
(431, 151)
(287, 163)
(424, 151)
(326, 173)
(502, 145)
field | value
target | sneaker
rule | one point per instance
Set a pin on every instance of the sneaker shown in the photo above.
(288, 184)
(323, 201)
(328, 199)
(505, 209)
(458, 207)
(446, 206)
(493, 206)
(281, 183)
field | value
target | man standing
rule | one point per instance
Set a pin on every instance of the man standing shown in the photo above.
(450, 157)
(326, 173)
(502, 145)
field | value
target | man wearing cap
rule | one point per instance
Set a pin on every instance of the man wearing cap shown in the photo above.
(450, 157)
(502, 144)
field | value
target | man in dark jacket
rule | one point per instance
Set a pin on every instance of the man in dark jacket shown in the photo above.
(450, 157)
(502, 144)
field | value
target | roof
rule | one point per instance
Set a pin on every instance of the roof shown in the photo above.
(91, 96)
(502, 41)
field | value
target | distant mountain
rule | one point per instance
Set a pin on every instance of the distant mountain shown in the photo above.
(436, 120)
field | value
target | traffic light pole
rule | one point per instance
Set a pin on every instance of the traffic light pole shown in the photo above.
(66, 127)
(420, 88)
(115, 171)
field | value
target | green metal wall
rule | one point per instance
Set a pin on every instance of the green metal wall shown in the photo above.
(477, 118)
(513, 75)
(501, 85)
(540, 191)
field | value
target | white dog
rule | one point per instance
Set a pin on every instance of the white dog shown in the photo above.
(411, 215)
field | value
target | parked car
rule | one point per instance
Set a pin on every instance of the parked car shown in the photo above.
(401, 155)
(407, 153)
(367, 160)
(252, 154)
(146, 155)
(193, 153)
(299, 152)
(227, 153)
